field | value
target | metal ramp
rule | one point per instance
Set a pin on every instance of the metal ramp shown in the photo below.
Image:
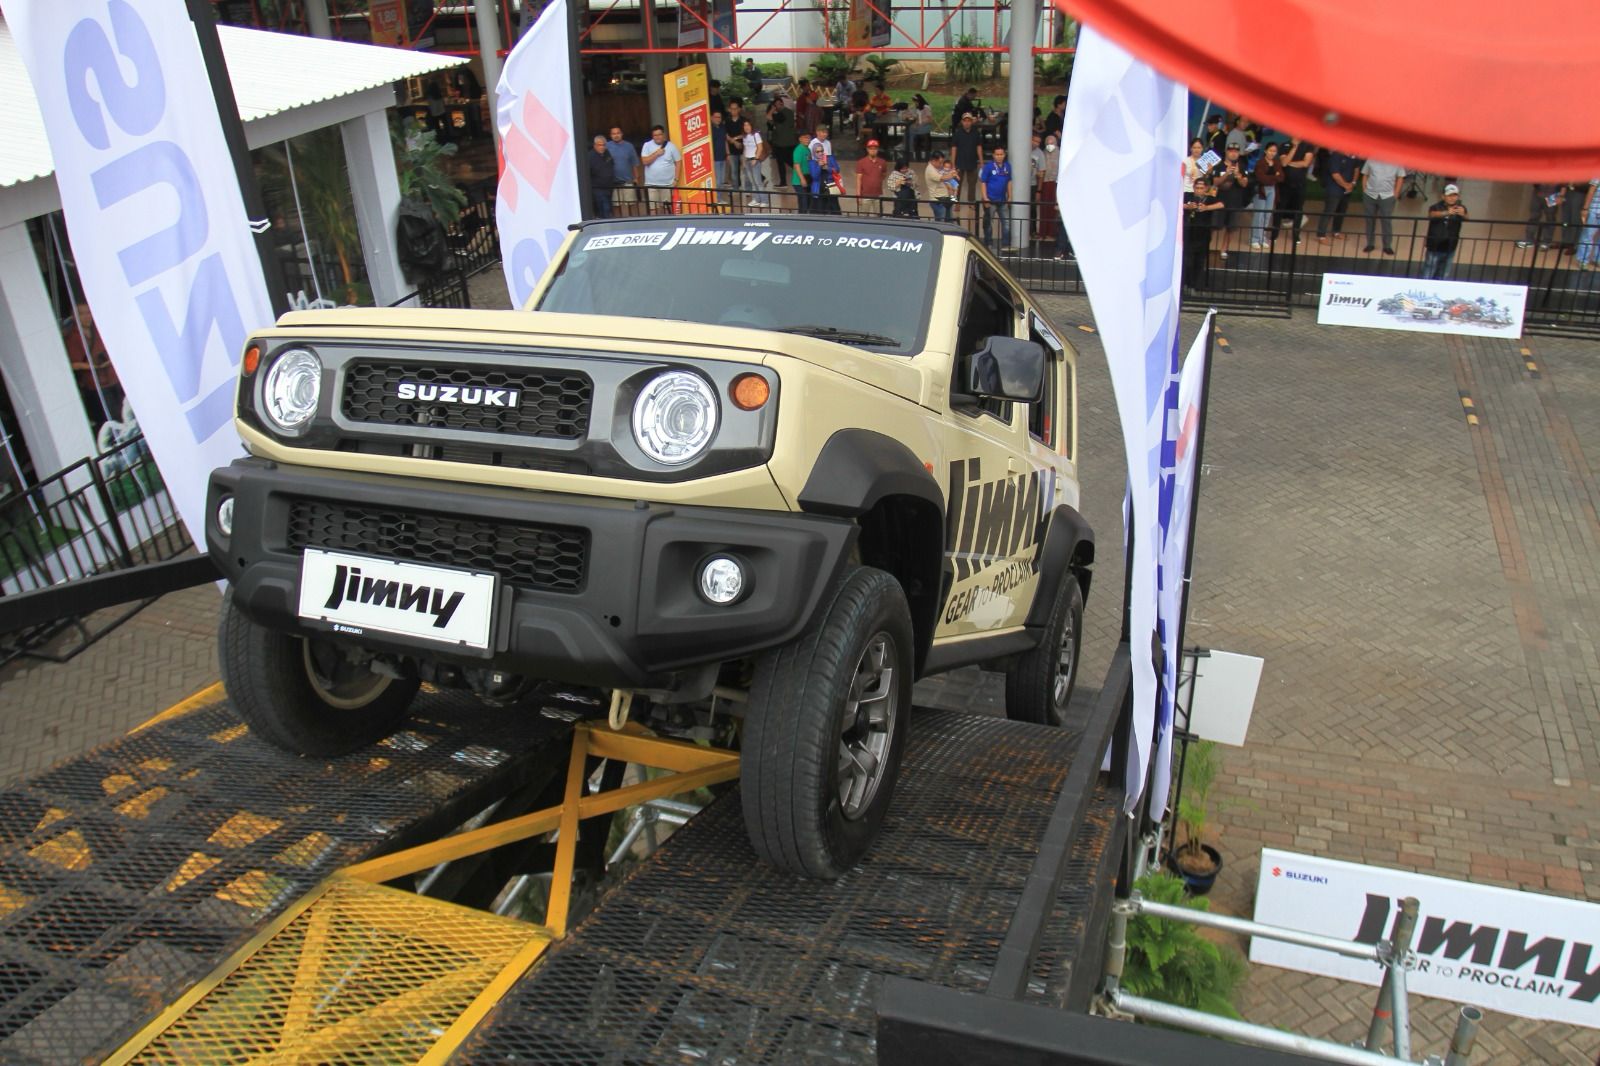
(190, 894)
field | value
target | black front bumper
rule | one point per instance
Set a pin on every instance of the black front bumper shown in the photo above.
(617, 608)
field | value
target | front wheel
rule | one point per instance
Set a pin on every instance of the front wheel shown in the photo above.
(826, 728)
(1040, 682)
(302, 694)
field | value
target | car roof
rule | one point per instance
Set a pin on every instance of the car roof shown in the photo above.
(947, 229)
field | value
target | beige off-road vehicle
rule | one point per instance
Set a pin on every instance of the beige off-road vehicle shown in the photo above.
(789, 464)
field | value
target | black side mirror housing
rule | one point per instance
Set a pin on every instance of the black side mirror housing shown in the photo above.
(1006, 368)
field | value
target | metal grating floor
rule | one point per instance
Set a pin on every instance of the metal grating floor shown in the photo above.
(130, 872)
(705, 955)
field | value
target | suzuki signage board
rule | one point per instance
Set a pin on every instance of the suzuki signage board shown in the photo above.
(1514, 952)
(1421, 305)
(689, 105)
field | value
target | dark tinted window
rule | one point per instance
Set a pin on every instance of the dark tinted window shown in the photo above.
(792, 274)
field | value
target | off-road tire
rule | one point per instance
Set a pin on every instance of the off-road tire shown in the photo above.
(1032, 693)
(790, 773)
(268, 680)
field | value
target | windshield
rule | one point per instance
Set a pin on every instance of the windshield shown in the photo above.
(858, 283)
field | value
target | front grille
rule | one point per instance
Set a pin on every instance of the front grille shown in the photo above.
(552, 404)
(542, 558)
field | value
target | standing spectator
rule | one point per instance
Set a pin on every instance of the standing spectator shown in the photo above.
(628, 169)
(1191, 164)
(919, 128)
(1543, 204)
(602, 178)
(1201, 211)
(753, 76)
(733, 123)
(805, 103)
(1339, 180)
(660, 158)
(716, 101)
(1056, 118)
(781, 136)
(871, 171)
(1297, 159)
(754, 177)
(1240, 136)
(902, 188)
(1574, 201)
(800, 171)
(719, 153)
(1588, 249)
(1216, 137)
(1444, 232)
(966, 144)
(1030, 192)
(942, 180)
(966, 104)
(1232, 186)
(995, 177)
(1048, 172)
(1266, 178)
(1381, 182)
(825, 184)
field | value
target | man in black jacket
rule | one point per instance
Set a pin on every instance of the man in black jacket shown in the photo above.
(1444, 232)
(602, 178)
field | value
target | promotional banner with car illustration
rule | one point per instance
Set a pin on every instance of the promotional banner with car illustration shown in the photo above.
(1421, 305)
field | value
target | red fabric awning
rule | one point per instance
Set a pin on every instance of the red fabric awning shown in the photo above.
(1482, 88)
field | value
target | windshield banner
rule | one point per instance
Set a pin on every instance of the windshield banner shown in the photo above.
(157, 224)
(1514, 952)
(1119, 196)
(538, 193)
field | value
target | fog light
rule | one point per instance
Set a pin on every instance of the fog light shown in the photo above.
(721, 580)
(225, 516)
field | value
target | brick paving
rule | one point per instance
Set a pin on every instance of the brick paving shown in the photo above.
(1423, 593)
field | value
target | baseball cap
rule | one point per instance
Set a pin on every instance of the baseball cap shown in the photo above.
(1456, 189)
(872, 144)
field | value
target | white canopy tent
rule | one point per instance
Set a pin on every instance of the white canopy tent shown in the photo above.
(286, 86)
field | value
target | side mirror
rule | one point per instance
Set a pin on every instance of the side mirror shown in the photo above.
(1006, 368)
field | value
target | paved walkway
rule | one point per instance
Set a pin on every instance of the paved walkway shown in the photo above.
(1423, 592)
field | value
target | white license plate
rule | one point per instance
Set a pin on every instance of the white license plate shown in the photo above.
(358, 593)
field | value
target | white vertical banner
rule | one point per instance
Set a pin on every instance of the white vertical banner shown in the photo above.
(155, 218)
(538, 194)
(1183, 438)
(1120, 197)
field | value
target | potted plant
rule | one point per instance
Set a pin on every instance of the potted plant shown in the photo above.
(1196, 861)
(1172, 962)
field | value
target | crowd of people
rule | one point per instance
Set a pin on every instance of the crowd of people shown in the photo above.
(787, 146)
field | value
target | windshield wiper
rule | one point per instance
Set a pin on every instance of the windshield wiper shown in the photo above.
(843, 336)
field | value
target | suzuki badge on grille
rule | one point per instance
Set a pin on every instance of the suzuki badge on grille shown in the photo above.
(464, 395)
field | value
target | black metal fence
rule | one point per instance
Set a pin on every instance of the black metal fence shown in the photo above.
(104, 513)
(472, 243)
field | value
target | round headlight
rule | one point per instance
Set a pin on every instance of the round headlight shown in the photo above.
(675, 417)
(291, 389)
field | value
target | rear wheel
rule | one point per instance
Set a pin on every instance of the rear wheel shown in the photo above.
(826, 729)
(305, 695)
(1040, 682)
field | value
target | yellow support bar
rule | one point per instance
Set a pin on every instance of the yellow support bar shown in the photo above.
(555, 916)
(671, 785)
(653, 751)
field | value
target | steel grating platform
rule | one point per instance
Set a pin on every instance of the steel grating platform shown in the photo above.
(704, 954)
(129, 873)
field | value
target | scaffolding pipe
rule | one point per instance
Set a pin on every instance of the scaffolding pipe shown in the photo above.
(1243, 1032)
(489, 51)
(1245, 927)
(1465, 1036)
(1393, 957)
(1402, 1012)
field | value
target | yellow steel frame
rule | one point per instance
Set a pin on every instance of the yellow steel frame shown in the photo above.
(292, 1034)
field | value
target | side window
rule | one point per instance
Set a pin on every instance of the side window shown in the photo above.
(1042, 420)
(989, 310)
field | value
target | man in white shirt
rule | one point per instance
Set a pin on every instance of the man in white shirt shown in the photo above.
(660, 158)
(1381, 183)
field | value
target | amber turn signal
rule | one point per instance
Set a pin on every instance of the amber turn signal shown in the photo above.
(749, 391)
(252, 359)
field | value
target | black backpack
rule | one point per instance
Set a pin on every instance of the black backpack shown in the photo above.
(419, 238)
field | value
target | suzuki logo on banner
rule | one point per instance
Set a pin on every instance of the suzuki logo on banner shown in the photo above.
(1516, 952)
(155, 218)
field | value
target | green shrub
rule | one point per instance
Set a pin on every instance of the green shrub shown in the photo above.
(827, 67)
(968, 68)
(881, 67)
(1171, 962)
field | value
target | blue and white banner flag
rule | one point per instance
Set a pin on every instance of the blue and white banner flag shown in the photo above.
(1179, 481)
(1120, 196)
(156, 221)
(538, 195)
